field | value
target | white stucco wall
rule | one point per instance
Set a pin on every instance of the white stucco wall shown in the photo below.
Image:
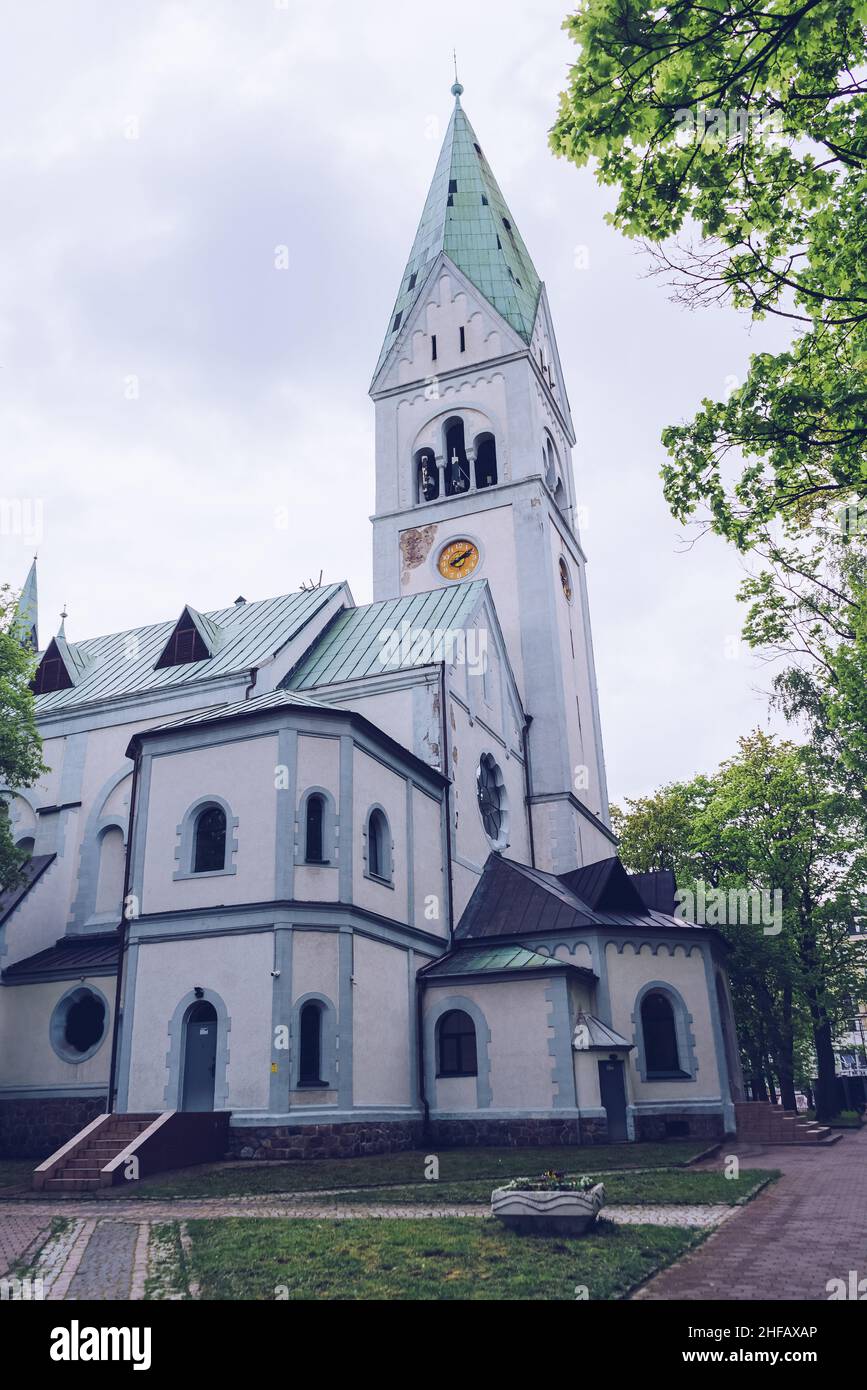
(380, 1031)
(238, 969)
(628, 971)
(27, 1058)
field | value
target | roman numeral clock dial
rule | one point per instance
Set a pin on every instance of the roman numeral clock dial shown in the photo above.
(458, 559)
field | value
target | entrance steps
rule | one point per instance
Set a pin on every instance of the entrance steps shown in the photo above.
(760, 1122)
(119, 1148)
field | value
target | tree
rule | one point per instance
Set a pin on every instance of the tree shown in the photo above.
(20, 745)
(746, 124)
(768, 820)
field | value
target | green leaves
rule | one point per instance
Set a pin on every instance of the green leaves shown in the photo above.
(20, 746)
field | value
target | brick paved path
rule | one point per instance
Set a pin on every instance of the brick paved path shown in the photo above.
(809, 1227)
(19, 1228)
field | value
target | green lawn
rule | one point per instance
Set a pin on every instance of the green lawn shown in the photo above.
(436, 1259)
(668, 1186)
(456, 1165)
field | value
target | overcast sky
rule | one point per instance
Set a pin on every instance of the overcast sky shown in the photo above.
(165, 390)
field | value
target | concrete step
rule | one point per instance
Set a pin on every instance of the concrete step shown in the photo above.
(71, 1184)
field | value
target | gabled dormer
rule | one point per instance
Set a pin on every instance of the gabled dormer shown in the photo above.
(62, 666)
(194, 637)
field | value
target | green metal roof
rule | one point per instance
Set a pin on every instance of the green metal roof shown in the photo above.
(27, 610)
(122, 664)
(355, 644)
(467, 217)
(275, 699)
(480, 961)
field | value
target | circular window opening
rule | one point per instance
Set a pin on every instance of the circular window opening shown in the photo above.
(78, 1025)
(493, 808)
(566, 579)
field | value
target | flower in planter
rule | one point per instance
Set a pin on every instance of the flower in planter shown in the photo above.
(550, 1182)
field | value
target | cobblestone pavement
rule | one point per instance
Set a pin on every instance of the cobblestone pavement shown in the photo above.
(798, 1234)
(19, 1228)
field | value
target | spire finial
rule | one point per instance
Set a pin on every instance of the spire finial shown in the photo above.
(457, 88)
(61, 632)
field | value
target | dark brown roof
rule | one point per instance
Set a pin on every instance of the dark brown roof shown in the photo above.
(657, 889)
(605, 886)
(33, 869)
(511, 899)
(69, 958)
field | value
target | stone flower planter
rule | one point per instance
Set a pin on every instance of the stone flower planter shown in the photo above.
(556, 1212)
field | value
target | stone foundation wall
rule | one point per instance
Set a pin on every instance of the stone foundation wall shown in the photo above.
(679, 1124)
(35, 1128)
(281, 1142)
(476, 1131)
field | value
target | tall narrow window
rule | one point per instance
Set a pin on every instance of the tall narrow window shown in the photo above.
(433, 347)
(209, 849)
(456, 1050)
(660, 1036)
(463, 340)
(457, 465)
(378, 846)
(486, 461)
(313, 834)
(310, 1046)
(427, 475)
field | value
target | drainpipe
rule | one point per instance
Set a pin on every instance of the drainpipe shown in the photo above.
(122, 934)
(529, 766)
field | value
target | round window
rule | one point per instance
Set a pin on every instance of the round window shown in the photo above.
(78, 1024)
(491, 793)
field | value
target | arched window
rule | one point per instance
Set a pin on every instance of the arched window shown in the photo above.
(209, 847)
(378, 846)
(313, 841)
(661, 1057)
(26, 846)
(310, 1046)
(457, 466)
(427, 475)
(486, 460)
(456, 1045)
(109, 887)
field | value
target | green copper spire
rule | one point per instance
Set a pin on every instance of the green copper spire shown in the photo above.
(27, 611)
(467, 217)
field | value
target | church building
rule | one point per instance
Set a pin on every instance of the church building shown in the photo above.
(345, 875)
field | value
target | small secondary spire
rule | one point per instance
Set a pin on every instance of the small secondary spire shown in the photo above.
(457, 89)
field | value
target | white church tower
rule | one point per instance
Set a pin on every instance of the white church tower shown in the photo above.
(474, 477)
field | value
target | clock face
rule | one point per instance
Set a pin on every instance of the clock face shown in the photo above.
(458, 559)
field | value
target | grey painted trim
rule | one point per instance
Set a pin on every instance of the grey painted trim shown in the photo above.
(346, 818)
(84, 903)
(327, 1042)
(346, 1006)
(127, 1018)
(412, 1015)
(410, 856)
(322, 1114)
(560, 1045)
(725, 1080)
(192, 923)
(683, 1025)
(707, 1106)
(433, 1014)
(173, 1095)
(330, 829)
(659, 939)
(281, 1016)
(185, 847)
(139, 812)
(529, 1114)
(57, 1024)
(75, 1091)
(384, 880)
(285, 852)
(599, 959)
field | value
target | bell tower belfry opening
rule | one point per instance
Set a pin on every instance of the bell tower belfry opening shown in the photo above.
(474, 442)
